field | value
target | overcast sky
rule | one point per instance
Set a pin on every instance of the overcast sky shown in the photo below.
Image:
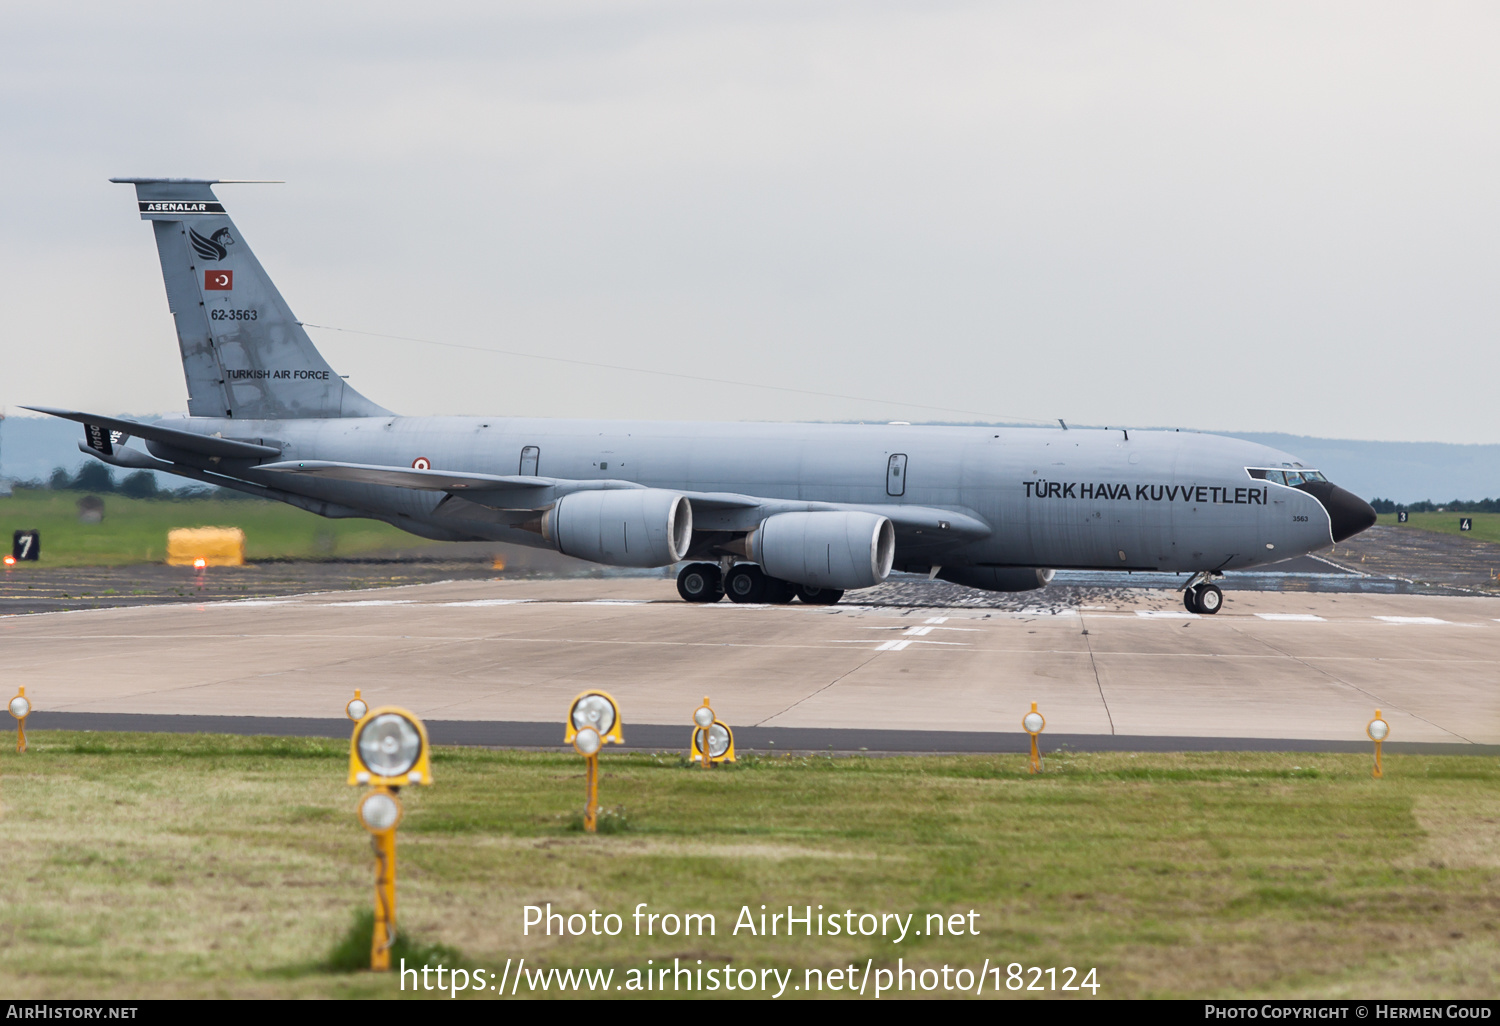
(1273, 217)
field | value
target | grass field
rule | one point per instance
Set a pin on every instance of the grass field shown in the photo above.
(144, 865)
(1486, 525)
(135, 530)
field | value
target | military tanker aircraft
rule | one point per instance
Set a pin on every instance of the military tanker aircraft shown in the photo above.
(761, 512)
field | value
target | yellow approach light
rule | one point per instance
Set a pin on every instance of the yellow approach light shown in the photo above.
(712, 741)
(20, 708)
(379, 811)
(596, 709)
(1034, 723)
(1378, 730)
(389, 749)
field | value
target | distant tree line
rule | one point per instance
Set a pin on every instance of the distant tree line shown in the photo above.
(1428, 506)
(96, 478)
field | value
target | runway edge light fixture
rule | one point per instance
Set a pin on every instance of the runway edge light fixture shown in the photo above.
(357, 707)
(596, 709)
(1378, 730)
(387, 750)
(20, 708)
(593, 720)
(1034, 723)
(719, 744)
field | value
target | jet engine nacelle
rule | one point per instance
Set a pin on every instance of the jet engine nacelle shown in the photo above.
(997, 578)
(825, 550)
(621, 527)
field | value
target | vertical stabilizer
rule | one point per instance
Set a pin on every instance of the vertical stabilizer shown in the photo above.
(243, 352)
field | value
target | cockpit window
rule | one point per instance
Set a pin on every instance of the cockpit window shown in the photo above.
(1289, 477)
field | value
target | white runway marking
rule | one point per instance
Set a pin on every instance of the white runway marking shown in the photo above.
(486, 602)
(1299, 617)
(1168, 613)
(375, 602)
(1410, 619)
(898, 645)
(937, 619)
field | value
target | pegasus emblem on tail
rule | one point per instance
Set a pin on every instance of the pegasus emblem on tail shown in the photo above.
(214, 247)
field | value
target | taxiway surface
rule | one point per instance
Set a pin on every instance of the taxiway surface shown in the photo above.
(1272, 666)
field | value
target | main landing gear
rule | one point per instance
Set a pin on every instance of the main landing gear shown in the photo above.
(1201, 595)
(700, 582)
(746, 582)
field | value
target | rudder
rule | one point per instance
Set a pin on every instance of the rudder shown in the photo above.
(244, 354)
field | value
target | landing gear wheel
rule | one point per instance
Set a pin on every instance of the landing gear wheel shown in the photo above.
(1209, 599)
(779, 592)
(819, 596)
(745, 583)
(1190, 599)
(700, 582)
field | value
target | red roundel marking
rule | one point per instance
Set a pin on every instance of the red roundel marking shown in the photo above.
(421, 463)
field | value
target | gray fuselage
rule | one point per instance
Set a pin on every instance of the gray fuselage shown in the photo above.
(1055, 498)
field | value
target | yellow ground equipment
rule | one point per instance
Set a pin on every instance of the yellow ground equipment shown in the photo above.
(216, 546)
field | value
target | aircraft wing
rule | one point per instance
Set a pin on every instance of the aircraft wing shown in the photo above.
(203, 445)
(408, 477)
(712, 510)
(732, 512)
(498, 491)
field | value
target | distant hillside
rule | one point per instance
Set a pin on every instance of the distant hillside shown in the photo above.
(30, 447)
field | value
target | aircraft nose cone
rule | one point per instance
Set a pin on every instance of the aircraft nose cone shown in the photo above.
(1347, 512)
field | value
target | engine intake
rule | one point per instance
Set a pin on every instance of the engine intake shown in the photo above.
(824, 550)
(621, 527)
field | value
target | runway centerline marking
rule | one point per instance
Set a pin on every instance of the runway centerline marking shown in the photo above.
(1415, 619)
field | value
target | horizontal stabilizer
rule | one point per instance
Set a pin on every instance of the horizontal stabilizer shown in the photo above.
(204, 445)
(125, 456)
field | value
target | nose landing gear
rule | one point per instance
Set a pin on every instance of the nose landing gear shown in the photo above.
(1201, 595)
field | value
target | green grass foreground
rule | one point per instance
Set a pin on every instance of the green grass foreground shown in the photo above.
(135, 530)
(1486, 525)
(192, 865)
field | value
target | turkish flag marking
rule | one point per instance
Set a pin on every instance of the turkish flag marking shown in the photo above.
(221, 281)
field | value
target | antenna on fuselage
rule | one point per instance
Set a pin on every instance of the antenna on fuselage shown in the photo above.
(1063, 423)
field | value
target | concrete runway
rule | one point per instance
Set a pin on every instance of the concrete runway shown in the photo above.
(503, 656)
